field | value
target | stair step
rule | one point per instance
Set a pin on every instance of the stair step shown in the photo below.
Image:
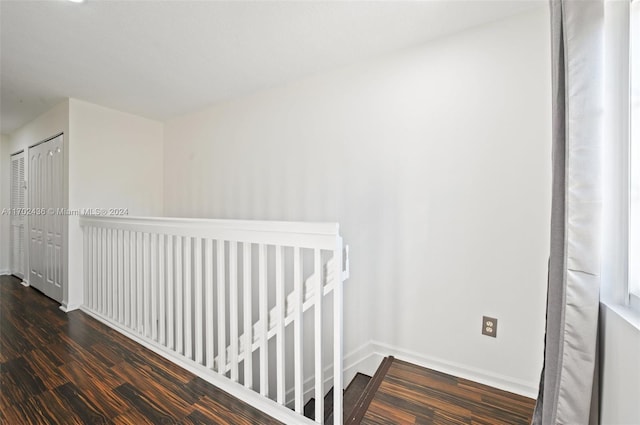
(351, 396)
(358, 411)
(310, 407)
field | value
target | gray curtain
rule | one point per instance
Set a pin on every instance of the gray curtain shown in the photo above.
(568, 388)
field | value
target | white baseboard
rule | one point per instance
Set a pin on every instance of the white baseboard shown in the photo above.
(69, 307)
(367, 358)
(6, 272)
(361, 360)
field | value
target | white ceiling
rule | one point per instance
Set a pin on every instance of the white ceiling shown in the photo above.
(162, 59)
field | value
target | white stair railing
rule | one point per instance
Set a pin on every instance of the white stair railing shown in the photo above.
(214, 295)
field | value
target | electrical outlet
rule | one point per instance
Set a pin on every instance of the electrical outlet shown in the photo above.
(489, 326)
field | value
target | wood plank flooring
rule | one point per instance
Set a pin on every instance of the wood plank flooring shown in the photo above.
(58, 368)
(409, 394)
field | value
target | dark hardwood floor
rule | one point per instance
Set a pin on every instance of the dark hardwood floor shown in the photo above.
(409, 394)
(58, 368)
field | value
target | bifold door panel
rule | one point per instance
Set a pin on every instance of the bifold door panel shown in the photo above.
(45, 193)
(17, 218)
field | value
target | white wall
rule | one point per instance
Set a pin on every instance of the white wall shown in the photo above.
(436, 163)
(5, 175)
(620, 384)
(116, 161)
(47, 125)
(113, 160)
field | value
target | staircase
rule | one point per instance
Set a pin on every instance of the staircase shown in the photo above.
(309, 288)
(351, 396)
(226, 299)
(402, 392)
(356, 398)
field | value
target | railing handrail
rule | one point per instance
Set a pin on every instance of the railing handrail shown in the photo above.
(188, 287)
(316, 228)
(302, 234)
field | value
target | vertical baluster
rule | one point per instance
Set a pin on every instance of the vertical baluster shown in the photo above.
(114, 275)
(139, 288)
(109, 270)
(97, 294)
(171, 305)
(248, 321)
(89, 280)
(103, 261)
(105, 267)
(153, 266)
(146, 293)
(317, 313)
(133, 273)
(179, 297)
(113, 297)
(298, 290)
(264, 320)
(120, 249)
(220, 282)
(208, 282)
(337, 332)
(88, 264)
(162, 290)
(197, 297)
(126, 241)
(233, 309)
(280, 311)
(86, 261)
(96, 267)
(188, 301)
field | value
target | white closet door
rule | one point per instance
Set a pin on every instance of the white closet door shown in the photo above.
(17, 219)
(46, 259)
(36, 222)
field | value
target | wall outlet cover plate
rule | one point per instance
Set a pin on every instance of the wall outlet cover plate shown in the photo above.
(489, 326)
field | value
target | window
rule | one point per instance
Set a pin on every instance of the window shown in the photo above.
(634, 163)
